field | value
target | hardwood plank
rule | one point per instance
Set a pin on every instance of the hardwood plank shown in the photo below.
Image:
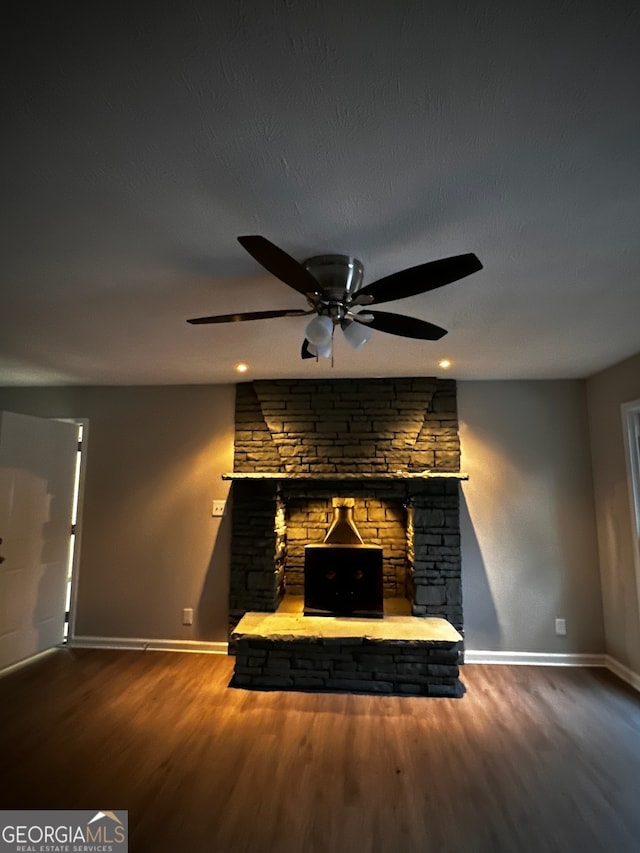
(531, 759)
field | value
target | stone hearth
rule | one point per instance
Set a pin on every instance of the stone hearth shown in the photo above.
(396, 655)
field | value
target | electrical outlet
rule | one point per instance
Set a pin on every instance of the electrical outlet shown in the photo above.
(187, 616)
(217, 508)
(561, 627)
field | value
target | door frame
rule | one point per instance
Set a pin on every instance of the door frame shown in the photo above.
(631, 430)
(75, 566)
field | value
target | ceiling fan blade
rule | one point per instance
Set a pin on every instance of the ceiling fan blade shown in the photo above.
(250, 315)
(399, 324)
(304, 352)
(420, 279)
(280, 264)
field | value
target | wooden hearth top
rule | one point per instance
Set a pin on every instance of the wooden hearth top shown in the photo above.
(291, 626)
(336, 475)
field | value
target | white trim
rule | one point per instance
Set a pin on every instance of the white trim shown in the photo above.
(622, 672)
(75, 572)
(472, 656)
(533, 658)
(630, 422)
(26, 661)
(140, 644)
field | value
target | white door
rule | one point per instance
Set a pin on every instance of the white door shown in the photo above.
(37, 475)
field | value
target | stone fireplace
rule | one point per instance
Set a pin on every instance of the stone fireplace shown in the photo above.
(390, 445)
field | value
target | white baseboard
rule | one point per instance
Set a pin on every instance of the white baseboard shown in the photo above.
(623, 672)
(533, 658)
(472, 656)
(140, 644)
(26, 661)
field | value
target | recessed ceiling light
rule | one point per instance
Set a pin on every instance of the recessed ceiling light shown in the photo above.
(242, 368)
(444, 363)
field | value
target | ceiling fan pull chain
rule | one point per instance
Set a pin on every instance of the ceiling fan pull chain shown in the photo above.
(332, 333)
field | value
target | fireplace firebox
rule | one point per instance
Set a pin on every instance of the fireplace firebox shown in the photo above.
(342, 575)
(343, 580)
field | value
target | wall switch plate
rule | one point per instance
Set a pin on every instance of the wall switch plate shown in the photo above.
(561, 627)
(187, 616)
(218, 508)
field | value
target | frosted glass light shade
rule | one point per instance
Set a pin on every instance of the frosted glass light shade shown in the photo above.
(356, 334)
(323, 351)
(319, 331)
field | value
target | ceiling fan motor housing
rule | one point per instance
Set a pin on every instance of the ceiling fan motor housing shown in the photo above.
(338, 277)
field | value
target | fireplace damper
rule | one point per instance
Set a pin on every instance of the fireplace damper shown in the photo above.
(343, 576)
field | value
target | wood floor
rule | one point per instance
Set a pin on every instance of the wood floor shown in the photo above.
(531, 759)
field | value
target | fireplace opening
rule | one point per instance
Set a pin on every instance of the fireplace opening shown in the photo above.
(343, 575)
(371, 528)
(415, 523)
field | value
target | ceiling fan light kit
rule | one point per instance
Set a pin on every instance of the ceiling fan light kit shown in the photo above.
(322, 350)
(319, 331)
(332, 286)
(356, 334)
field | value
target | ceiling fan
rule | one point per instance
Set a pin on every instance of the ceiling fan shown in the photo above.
(332, 287)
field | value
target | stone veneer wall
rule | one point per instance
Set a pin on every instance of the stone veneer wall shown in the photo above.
(347, 426)
(371, 427)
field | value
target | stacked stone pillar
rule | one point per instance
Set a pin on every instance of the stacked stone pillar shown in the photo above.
(255, 551)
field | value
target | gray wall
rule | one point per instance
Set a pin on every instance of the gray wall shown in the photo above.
(528, 526)
(607, 391)
(149, 544)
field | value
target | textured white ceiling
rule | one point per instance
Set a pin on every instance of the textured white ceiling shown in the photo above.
(139, 139)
